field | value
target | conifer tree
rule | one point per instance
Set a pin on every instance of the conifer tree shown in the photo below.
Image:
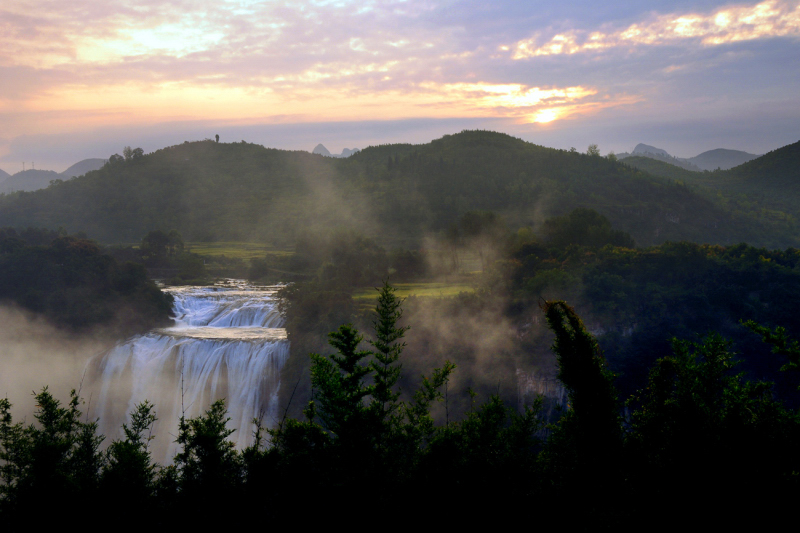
(129, 476)
(388, 346)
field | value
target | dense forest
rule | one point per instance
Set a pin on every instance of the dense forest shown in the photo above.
(633, 299)
(698, 442)
(402, 193)
(75, 285)
(663, 303)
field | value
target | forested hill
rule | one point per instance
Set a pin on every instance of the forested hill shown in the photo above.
(396, 193)
(767, 187)
(779, 168)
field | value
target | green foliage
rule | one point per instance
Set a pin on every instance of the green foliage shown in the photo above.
(584, 227)
(764, 188)
(494, 446)
(698, 432)
(592, 425)
(338, 382)
(76, 286)
(235, 192)
(364, 430)
(56, 460)
(130, 474)
(208, 468)
(698, 420)
(388, 347)
(640, 298)
(781, 344)
(157, 247)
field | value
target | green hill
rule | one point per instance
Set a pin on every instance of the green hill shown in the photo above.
(765, 188)
(398, 194)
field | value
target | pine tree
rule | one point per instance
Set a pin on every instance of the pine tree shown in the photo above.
(388, 346)
(129, 477)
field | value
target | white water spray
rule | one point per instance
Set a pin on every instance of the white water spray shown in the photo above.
(226, 343)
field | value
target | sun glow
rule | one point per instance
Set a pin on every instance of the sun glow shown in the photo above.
(543, 116)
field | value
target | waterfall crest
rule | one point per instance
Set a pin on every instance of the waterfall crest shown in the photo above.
(227, 342)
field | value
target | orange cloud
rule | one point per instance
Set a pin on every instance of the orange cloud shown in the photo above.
(767, 19)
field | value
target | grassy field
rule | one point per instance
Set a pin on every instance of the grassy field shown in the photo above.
(368, 295)
(240, 250)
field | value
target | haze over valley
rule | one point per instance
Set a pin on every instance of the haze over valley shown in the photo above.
(303, 260)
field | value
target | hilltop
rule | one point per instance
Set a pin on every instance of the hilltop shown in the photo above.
(82, 167)
(721, 159)
(398, 194)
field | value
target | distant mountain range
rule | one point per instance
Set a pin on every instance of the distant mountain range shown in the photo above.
(321, 150)
(719, 158)
(33, 179)
(400, 194)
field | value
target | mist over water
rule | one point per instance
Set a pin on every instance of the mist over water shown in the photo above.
(227, 342)
(35, 354)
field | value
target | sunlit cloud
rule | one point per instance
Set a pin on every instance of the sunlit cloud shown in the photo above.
(530, 104)
(732, 24)
(80, 65)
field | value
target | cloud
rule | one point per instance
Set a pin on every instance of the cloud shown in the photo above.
(530, 104)
(79, 65)
(768, 19)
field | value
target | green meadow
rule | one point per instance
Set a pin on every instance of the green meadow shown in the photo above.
(423, 289)
(238, 250)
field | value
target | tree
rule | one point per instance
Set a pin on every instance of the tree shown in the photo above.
(584, 227)
(339, 384)
(585, 445)
(55, 461)
(216, 137)
(388, 346)
(128, 153)
(700, 422)
(129, 477)
(210, 468)
(356, 427)
(155, 247)
(174, 243)
(782, 344)
(593, 150)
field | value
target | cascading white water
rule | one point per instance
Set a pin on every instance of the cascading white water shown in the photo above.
(226, 343)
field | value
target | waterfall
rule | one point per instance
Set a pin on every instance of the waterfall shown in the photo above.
(227, 342)
(530, 385)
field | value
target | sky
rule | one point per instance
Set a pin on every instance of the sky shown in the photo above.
(81, 78)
